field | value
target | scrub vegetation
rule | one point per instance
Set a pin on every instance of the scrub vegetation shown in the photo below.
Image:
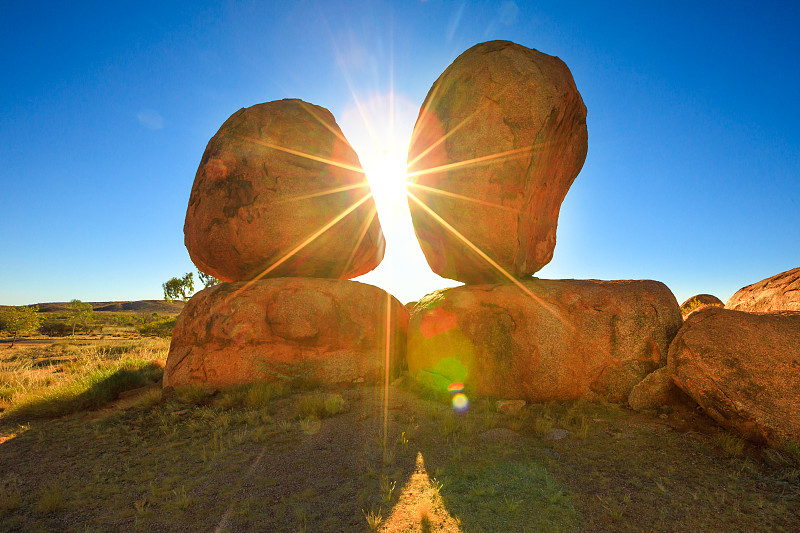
(89, 441)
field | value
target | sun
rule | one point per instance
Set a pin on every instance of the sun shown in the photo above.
(379, 129)
(386, 173)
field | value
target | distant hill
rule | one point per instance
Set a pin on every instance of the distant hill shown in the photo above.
(140, 306)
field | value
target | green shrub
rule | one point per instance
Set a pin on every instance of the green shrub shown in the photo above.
(55, 328)
(334, 404)
(158, 328)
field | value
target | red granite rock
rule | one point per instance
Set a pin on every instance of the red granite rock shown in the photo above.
(743, 369)
(267, 195)
(780, 292)
(323, 330)
(554, 340)
(500, 138)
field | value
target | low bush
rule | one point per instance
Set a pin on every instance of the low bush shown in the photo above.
(159, 328)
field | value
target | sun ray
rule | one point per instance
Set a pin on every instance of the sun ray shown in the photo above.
(454, 129)
(419, 502)
(322, 193)
(439, 141)
(303, 154)
(361, 235)
(486, 258)
(299, 247)
(424, 111)
(310, 110)
(340, 61)
(386, 374)
(508, 155)
(460, 197)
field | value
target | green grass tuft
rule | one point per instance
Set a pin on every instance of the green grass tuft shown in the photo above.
(192, 394)
(731, 444)
(51, 500)
(320, 405)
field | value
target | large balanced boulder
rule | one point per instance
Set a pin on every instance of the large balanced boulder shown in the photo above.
(500, 138)
(699, 301)
(543, 340)
(280, 192)
(743, 369)
(319, 330)
(781, 292)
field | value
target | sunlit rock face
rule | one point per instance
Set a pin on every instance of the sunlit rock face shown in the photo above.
(271, 181)
(319, 330)
(554, 340)
(500, 138)
(781, 292)
(699, 301)
(743, 369)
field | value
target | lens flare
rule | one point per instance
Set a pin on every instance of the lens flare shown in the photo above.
(460, 402)
(455, 387)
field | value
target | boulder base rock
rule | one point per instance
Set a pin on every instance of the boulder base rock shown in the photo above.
(655, 390)
(327, 331)
(549, 340)
(699, 301)
(743, 369)
(781, 292)
(266, 198)
(500, 138)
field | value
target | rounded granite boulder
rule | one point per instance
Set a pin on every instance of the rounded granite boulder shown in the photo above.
(544, 339)
(780, 292)
(498, 142)
(325, 331)
(280, 192)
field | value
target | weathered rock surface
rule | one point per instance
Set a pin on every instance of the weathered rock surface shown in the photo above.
(256, 198)
(323, 330)
(655, 390)
(506, 127)
(699, 301)
(781, 292)
(554, 340)
(509, 407)
(743, 369)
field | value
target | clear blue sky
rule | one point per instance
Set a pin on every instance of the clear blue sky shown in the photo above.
(692, 176)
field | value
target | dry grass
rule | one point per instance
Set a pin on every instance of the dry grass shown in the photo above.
(265, 457)
(69, 376)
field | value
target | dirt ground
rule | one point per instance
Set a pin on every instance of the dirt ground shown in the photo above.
(410, 464)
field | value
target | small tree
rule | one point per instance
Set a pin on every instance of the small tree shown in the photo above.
(78, 313)
(179, 288)
(21, 319)
(207, 279)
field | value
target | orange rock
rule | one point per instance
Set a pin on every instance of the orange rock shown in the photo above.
(743, 369)
(323, 330)
(699, 301)
(655, 390)
(271, 180)
(781, 292)
(562, 340)
(499, 140)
